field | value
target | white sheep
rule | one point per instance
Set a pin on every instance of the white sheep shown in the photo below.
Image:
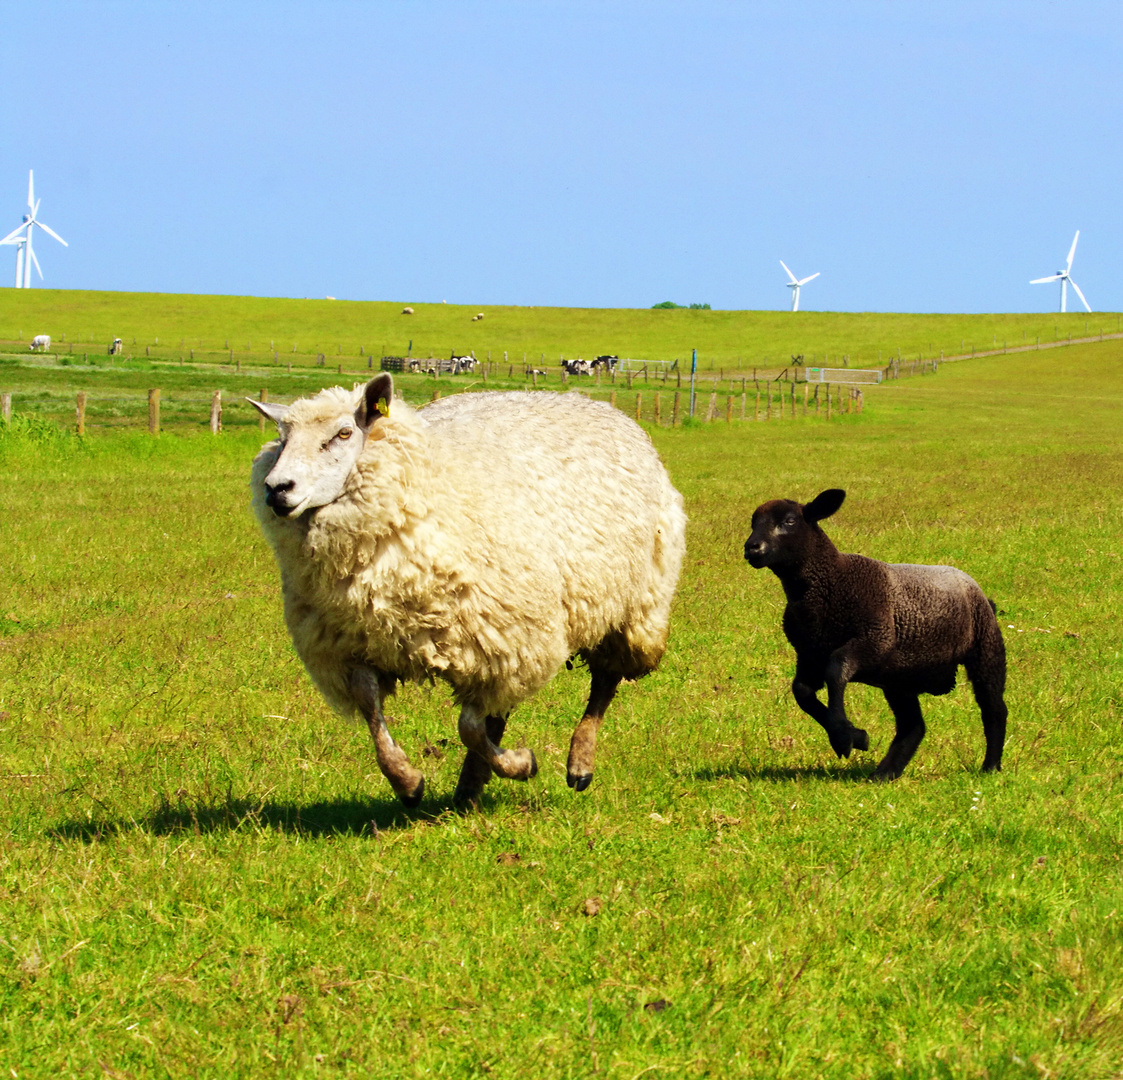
(40, 343)
(407, 311)
(484, 540)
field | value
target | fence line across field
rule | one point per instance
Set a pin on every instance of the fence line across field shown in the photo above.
(770, 400)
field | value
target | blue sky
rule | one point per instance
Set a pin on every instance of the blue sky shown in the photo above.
(921, 156)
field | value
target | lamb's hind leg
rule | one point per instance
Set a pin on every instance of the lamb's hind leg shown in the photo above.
(510, 764)
(910, 730)
(476, 772)
(368, 690)
(583, 745)
(988, 686)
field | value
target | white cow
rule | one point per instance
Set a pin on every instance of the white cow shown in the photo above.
(40, 343)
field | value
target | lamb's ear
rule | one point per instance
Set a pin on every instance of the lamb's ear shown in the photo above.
(274, 411)
(377, 395)
(824, 504)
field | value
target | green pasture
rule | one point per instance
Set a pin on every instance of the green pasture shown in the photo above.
(202, 872)
(252, 329)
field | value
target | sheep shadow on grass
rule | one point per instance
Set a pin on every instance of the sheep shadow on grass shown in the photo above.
(326, 817)
(838, 774)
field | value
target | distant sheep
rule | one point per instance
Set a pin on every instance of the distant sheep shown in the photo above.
(897, 626)
(40, 343)
(483, 540)
(476, 318)
(407, 311)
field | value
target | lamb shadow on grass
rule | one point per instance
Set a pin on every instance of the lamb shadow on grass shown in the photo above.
(852, 773)
(327, 817)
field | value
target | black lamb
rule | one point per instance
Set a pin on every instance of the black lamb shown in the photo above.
(900, 627)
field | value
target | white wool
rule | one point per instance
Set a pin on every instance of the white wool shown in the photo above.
(484, 540)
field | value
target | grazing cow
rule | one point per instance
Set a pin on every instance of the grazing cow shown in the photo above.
(40, 343)
(115, 347)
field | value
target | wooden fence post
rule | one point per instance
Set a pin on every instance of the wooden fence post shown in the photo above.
(436, 395)
(729, 409)
(828, 401)
(81, 412)
(805, 387)
(216, 412)
(153, 412)
(6, 407)
(711, 412)
(658, 416)
(639, 405)
(674, 412)
(743, 399)
(612, 399)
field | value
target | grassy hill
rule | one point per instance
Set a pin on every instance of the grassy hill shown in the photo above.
(298, 330)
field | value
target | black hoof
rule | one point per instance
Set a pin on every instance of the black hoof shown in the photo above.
(842, 744)
(411, 802)
(861, 739)
(533, 767)
(579, 783)
(885, 776)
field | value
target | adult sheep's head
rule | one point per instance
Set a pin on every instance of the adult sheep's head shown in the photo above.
(321, 439)
(785, 531)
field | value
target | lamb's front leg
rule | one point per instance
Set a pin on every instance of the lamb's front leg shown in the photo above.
(510, 764)
(368, 689)
(843, 735)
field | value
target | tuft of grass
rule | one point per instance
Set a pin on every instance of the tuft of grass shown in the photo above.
(202, 871)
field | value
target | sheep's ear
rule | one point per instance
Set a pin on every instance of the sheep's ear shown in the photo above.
(824, 504)
(377, 395)
(275, 412)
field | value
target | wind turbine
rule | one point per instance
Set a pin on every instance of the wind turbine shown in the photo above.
(30, 221)
(18, 243)
(1063, 277)
(795, 284)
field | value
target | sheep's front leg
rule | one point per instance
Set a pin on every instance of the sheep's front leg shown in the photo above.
(910, 730)
(510, 764)
(368, 690)
(476, 772)
(583, 745)
(841, 667)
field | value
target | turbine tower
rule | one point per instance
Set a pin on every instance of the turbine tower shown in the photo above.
(1063, 277)
(24, 258)
(796, 283)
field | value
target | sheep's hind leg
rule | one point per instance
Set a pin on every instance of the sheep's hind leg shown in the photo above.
(910, 730)
(510, 764)
(368, 691)
(583, 745)
(476, 772)
(988, 688)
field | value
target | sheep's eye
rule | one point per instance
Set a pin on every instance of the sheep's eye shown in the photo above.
(790, 523)
(345, 433)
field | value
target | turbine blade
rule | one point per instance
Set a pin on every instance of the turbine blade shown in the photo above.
(811, 278)
(9, 239)
(30, 188)
(1043, 280)
(1072, 251)
(51, 232)
(36, 262)
(790, 274)
(1080, 294)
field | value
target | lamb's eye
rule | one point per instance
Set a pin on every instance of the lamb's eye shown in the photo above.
(345, 433)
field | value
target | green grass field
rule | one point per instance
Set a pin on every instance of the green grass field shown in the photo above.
(170, 326)
(203, 873)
